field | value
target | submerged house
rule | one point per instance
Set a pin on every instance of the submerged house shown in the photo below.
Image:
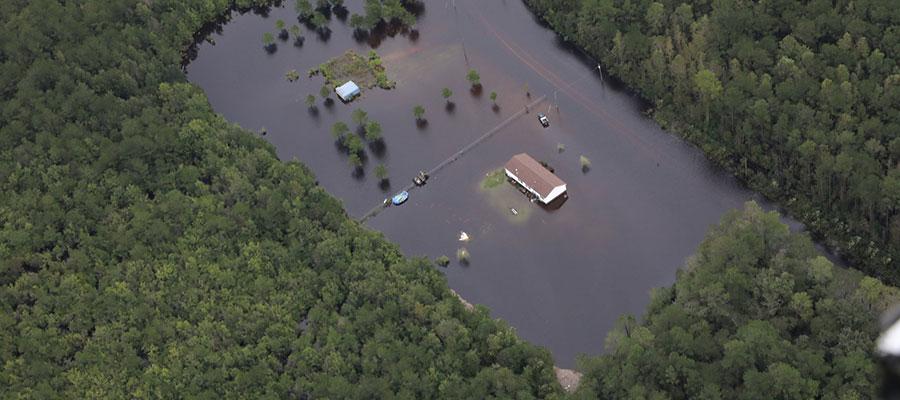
(347, 91)
(534, 177)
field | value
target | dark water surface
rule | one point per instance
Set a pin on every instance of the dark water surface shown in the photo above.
(561, 277)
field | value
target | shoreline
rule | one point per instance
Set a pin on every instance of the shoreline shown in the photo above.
(569, 379)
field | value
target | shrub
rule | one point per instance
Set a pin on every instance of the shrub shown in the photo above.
(585, 163)
(462, 255)
(442, 261)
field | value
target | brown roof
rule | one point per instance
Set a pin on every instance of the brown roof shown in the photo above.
(533, 174)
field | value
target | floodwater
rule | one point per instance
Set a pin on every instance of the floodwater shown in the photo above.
(560, 277)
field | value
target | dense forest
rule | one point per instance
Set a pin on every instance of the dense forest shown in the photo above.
(801, 99)
(756, 313)
(150, 249)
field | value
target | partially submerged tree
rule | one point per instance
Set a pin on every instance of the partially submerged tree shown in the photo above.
(319, 22)
(408, 20)
(310, 101)
(382, 80)
(359, 117)
(473, 77)
(585, 163)
(442, 261)
(494, 97)
(378, 11)
(419, 112)
(268, 41)
(354, 144)
(304, 9)
(324, 92)
(282, 31)
(355, 160)
(373, 131)
(339, 130)
(297, 35)
(446, 93)
(358, 23)
(381, 172)
(462, 255)
(374, 12)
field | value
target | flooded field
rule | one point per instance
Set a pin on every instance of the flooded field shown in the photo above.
(560, 277)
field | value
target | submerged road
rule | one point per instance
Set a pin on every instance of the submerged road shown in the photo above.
(432, 172)
(551, 77)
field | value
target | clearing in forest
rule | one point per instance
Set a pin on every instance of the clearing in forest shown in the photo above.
(366, 72)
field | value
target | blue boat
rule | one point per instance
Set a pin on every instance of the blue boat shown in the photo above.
(400, 198)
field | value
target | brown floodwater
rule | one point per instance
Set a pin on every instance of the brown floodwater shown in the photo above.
(560, 277)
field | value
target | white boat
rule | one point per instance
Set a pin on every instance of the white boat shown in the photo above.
(514, 211)
(463, 237)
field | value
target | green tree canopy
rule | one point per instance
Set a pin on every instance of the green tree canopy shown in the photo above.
(378, 11)
(373, 131)
(355, 160)
(473, 77)
(339, 130)
(303, 8)
(354, 144)
(359, 116)
(381, 172)
(152, 249)
(319, 22)
(801, 109)
(753, 314)
(358, 22)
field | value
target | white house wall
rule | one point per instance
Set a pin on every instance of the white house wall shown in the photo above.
(552, 195)
(556, 192)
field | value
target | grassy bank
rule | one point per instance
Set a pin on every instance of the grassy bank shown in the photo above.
(493, 179)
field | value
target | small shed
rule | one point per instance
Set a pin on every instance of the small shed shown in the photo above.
(347, 91)
(538, 180)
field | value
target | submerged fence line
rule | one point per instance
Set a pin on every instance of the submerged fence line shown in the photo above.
(456, 156)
